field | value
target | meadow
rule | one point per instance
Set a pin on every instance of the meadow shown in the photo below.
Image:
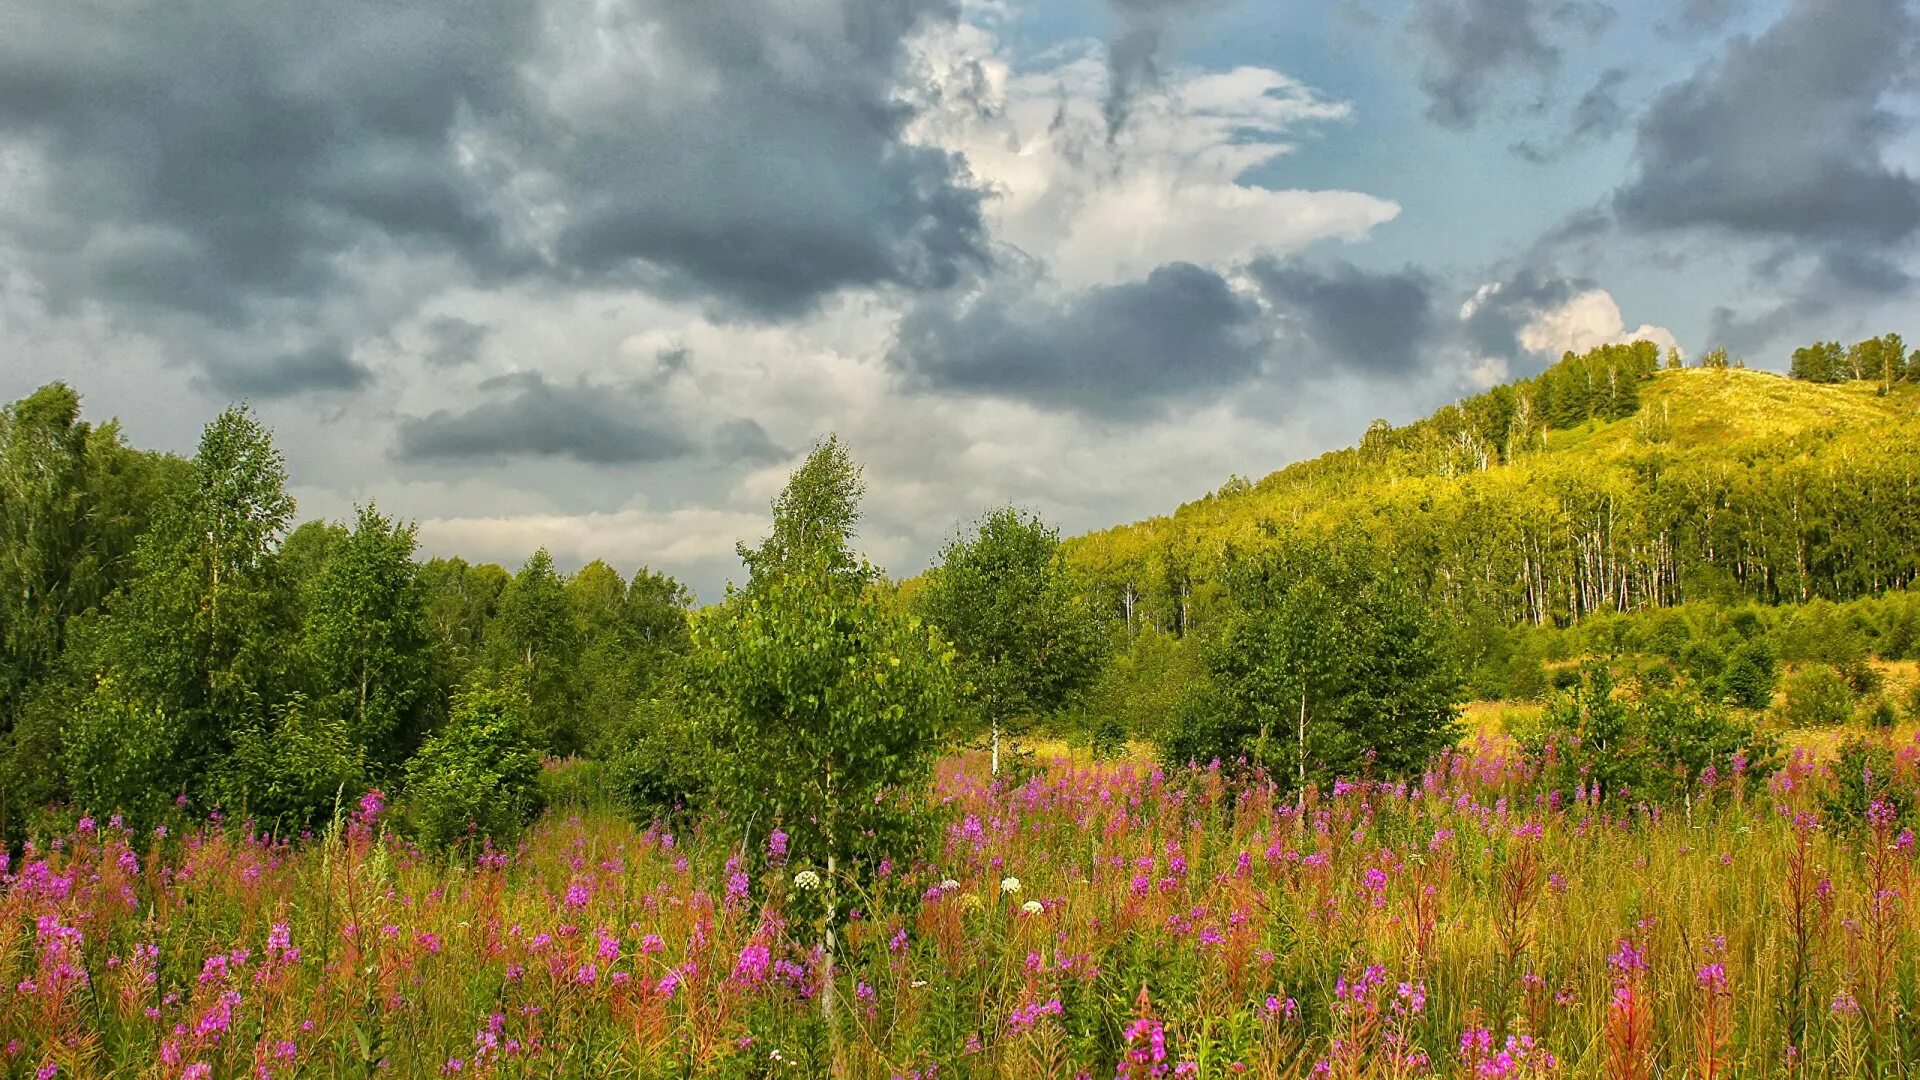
(1086, 919)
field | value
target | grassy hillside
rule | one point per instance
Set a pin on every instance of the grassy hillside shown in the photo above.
(1712, 484)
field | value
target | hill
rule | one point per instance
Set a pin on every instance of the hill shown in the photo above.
(1603, 484)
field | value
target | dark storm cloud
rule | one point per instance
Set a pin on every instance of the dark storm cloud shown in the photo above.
(1783, 136)
(1596, 117)
(206, 154)
(753, 152)
(1470, 46)
(1133, 56)
(1349, 318)
(531, 417)
(454, 342)
(744, 440)
(1707, 15)
(1182, 333)
(228, 158)
(321, 368)
(1817, 289)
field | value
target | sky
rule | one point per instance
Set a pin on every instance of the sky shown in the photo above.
(595, 275)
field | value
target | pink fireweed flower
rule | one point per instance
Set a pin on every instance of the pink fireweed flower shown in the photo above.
(1026, 1016)
(752, 967)
(1626, 959)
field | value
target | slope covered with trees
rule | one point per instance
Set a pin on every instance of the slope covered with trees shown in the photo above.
(1612, 482)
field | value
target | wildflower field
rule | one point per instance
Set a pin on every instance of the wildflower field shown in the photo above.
(1092, 919)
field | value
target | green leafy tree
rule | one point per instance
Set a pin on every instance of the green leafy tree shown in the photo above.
(200, 635)
(1820, 362)
(288, 771)
(533, 638)
(74, 500)
(630, 634)
(366, 638)
(477, 778)
(1817, 696)
(460, 599)
(1330, 664)
(1750, 674)
(1026, 643)
(826, 704)
(814, 519)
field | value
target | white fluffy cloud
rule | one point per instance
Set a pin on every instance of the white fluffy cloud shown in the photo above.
(1589, 319)
(1170, 187)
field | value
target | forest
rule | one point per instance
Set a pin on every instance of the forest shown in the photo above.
(1210, 786)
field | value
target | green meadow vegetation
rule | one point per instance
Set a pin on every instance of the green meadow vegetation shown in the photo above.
(1569, 731)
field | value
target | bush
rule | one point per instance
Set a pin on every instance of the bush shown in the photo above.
(1659, 745)
(478, 776)
(1878, 712)
(1817, 697)
(657, 760)
(1749, 677)
(122, 754)
(1864, 771)
(289, 772)
(1142, 684)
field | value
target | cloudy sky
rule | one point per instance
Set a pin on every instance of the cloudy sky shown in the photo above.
(592, 274)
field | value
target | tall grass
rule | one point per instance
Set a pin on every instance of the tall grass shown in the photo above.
(1094, 919)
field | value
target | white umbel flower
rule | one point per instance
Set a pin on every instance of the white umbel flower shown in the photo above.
(806, 879)
(1009, 885)
(1033, 907)
(948, 885)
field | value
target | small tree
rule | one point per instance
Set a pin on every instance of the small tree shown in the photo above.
(1026, 643)
(1817, 696)
(826, 705)
(534, 638)
(477, 777)
(1329, 663)
(366, 637)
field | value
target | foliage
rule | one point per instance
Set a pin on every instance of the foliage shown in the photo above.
(1749, 676)
(658, 760)
(1663, 742)
(477, 778)
(1865, 772)
(534, 639)
(1141, 685)
(1816, 696)
(366, 638)
(289, 772)
(1026, 644)
(125, 753)
(1330, 664)
(826, 705)
(1763, 489)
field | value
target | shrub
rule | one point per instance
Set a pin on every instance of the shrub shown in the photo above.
(290, 771)
(478, 776)
(122, 754)
(1749, 677)
(1659, 745)
(1817, 697)
(1863, 772)
(657, 760)
(1878, 712)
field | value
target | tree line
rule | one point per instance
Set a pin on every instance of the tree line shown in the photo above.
(1611, 482)
(174, 643)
